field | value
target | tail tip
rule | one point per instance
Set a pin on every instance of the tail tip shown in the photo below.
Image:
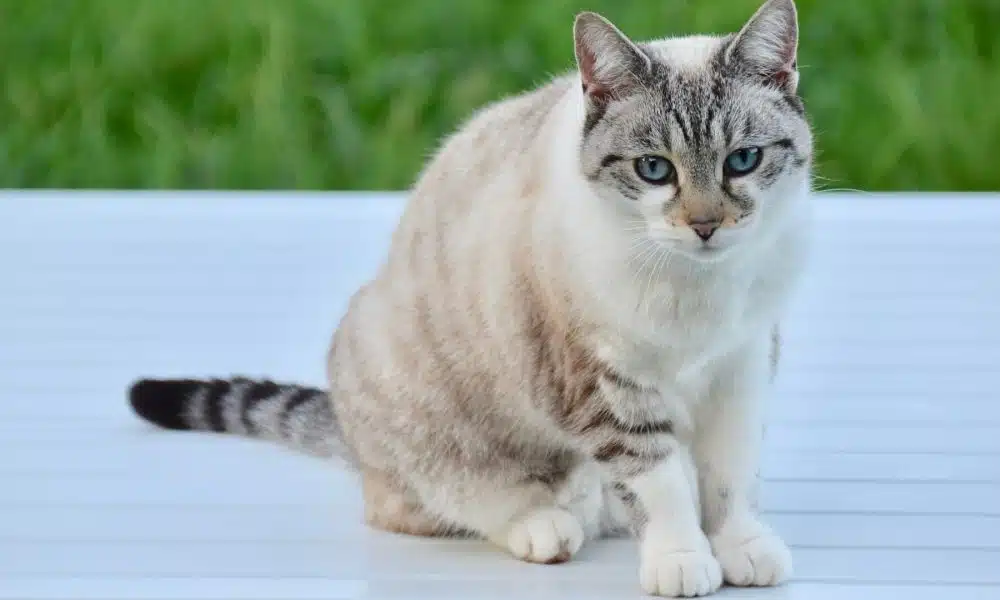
(161, 402)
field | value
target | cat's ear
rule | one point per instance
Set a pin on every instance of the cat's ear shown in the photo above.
(610, 64)
(768, 44)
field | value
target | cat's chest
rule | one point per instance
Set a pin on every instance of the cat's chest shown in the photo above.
(692, 323)
(707, 322)
(706, 317)
(696, 326)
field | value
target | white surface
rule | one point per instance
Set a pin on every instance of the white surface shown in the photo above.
(883, 455)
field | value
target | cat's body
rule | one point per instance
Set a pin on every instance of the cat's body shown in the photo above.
(563, 344)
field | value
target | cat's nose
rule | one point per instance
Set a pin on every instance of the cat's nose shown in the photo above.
(704, 229)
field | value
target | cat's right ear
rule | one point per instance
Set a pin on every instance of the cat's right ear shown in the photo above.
(610, 64)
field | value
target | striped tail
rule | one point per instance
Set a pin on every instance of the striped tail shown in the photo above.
(298, 417)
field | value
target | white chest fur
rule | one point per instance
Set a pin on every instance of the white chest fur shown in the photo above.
(691, 317)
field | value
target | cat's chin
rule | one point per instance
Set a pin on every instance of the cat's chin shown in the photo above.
(703, 253)
(698, 251)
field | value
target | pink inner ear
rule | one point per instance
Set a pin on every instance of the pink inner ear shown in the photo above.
(781, 77)
(596, 91)
(790, 51)
(591, 87)
(587, 64)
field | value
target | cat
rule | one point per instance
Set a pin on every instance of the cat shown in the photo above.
(578, 318)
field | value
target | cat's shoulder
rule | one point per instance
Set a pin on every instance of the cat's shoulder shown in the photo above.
(507, 124)
(495, 143)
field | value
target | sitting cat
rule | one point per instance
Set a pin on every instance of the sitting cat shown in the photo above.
(578, 316)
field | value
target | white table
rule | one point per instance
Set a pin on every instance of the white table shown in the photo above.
(883, 456)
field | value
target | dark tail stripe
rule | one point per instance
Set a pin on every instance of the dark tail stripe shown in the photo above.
(164, 404)
(293, 402)
(216, 393)
(263, 390)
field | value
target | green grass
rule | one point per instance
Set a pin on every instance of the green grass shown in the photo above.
(353, 94)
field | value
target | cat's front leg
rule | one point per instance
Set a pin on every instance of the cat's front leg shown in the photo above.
(638, 438)
(727, 454)
(675, 556)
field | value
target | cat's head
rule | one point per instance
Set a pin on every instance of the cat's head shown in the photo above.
(698, 140)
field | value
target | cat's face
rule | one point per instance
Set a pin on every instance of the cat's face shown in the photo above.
(699, 141)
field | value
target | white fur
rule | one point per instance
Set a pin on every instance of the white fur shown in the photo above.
(698, 322)
(691, 52)
(676, 557)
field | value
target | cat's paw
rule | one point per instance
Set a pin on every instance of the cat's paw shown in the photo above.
(762, 560)
(549, 536)
(679, 573)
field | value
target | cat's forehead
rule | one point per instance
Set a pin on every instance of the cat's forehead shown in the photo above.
(693, 99)
(693, 111)
(689, 72)
(688, 54)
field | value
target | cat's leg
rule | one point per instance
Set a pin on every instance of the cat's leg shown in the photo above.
(638, 436)
(589, 495)
(547, 535)
(434, 473)
(727, 453)
(391, 506)
(512, 493)
(511, 510)
(675, 556)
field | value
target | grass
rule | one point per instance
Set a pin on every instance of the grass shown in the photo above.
(353, 94)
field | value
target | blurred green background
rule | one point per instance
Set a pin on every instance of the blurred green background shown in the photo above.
(354, 94)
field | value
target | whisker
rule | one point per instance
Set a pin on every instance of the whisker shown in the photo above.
(835, 190)
(646, 255)
(658, 269)
(646, 293)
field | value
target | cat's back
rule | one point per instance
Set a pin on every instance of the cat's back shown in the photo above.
(503, 138)
(454, 245)
(473, 197)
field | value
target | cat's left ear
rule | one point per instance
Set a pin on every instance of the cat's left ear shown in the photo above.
(768, 44)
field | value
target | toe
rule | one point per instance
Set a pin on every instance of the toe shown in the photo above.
(549, 536)
(762, 561)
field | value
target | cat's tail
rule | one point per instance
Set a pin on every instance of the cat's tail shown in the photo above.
(295, 416)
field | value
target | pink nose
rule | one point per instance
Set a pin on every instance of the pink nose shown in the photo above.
(704, 229)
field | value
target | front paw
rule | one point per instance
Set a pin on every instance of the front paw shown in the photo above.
(679, 573)
(549, 536)
(760, 560)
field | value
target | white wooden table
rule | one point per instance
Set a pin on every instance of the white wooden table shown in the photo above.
(883, 456)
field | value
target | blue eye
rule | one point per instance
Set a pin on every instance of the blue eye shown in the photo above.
(742, 161)
(654, 169)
